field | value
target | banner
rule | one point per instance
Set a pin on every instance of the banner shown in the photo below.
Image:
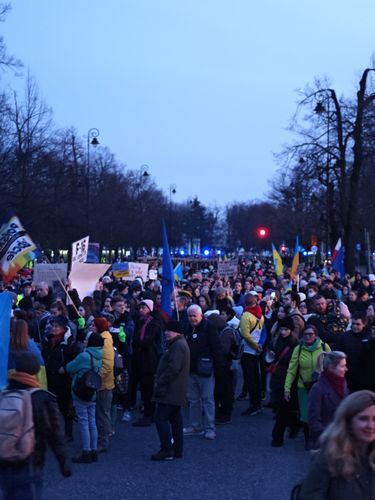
(79, 250)
(15, 245)
(84, 277)
(50, 273)
(5, 309)
(228, 268)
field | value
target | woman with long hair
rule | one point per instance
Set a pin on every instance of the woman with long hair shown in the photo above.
(345, 466)
(327, 393)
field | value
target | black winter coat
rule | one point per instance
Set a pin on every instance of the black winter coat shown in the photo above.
(278, 379)
(147, 352)
(352, 345)
(204, 342)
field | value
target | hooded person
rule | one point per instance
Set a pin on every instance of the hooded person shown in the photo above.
(251, 329)
(89, 360)
(24, 478)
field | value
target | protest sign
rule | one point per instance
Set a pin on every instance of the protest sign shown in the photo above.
(130, 270)
(84, 277)
(228, 268)
(153, 274)
(79, 250)
(50, 273)
(93, 253)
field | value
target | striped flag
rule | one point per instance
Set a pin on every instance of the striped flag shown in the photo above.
(295, 262)
(178, 272)
(277, 261)
(338, 257)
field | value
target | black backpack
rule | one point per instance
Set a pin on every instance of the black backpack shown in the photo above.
(86, 386)
(237, 346)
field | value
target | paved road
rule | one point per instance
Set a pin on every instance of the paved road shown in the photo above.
(240, 464)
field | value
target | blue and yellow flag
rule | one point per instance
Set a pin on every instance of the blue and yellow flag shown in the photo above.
(295, 262)
(277, 261)
(178, 272)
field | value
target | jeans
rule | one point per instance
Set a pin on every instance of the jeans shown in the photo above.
(21, 483)
(201, 393)
(167, 418)
(103, 416)
(87, 424)
(252, 378)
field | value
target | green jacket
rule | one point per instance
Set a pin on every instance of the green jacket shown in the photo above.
(306, 361)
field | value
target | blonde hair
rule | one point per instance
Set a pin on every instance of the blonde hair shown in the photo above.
(327, 360)
(339, 447)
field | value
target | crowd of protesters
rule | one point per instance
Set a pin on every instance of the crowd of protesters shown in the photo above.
(303, 345)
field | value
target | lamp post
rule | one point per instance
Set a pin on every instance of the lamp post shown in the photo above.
(92, 139)
(172, 191)
(143, 176)
(320, 109)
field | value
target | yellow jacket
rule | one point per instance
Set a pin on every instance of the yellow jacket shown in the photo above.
(250, 329)
(108, 380)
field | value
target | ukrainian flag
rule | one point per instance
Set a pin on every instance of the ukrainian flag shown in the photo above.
(277, 261)
(178, 272)
(295, 262)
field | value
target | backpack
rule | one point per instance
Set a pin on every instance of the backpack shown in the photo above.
(86, 386)
(237, 346)
(17, 435)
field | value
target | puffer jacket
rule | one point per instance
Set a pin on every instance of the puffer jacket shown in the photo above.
(90, 359)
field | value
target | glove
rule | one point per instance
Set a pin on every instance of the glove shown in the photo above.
(122, 334)
(81, 322)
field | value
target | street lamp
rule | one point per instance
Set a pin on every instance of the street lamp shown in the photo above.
(320, 109)
(172, 190)
(92, 139)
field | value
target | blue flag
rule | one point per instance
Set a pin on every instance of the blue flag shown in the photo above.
(167, 281)
(5, 310)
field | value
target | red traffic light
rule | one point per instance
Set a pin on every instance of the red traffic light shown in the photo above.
(262, 232)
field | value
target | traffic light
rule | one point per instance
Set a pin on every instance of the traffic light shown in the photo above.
(262, 232)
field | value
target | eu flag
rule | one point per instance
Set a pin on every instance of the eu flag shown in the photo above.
(5, 310)
(167, 281)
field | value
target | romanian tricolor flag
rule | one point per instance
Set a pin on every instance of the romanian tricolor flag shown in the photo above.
(277, 261)
(15, 247)
(295, 262)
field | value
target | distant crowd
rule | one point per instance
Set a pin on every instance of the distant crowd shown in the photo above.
(300, 349)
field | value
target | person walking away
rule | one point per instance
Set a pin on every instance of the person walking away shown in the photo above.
(90, 359)
(22, 478)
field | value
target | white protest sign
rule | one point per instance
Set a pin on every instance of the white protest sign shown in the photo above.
(79, 250)
(84, 277)
(50, 273)
(227, 268)
(153, 274)
(137, 269)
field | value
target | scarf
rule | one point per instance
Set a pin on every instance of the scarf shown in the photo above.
(337, 383)
(144, 326)
(255, 310)
(312, 347)
(25, 379)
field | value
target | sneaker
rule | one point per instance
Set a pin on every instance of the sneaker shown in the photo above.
(163, 455)
(193, 431)
(223, 420)
(210, 434)
(126, 417)
(252, 410)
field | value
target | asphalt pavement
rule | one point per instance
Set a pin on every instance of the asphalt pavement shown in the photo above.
(239, 464)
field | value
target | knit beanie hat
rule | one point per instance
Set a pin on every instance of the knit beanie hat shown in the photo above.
(149, 303)
(287, 322)
(95, 340)
(174, 326)
(101, 324)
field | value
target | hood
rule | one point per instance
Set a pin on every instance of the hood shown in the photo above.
(255, 310)
(97, 352)
(234, 322)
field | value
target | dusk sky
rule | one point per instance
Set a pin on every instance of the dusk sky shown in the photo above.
(199, 90)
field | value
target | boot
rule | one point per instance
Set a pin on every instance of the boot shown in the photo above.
(84, 458)
(94, 456)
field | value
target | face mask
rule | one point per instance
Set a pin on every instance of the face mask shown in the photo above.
(311, 294)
